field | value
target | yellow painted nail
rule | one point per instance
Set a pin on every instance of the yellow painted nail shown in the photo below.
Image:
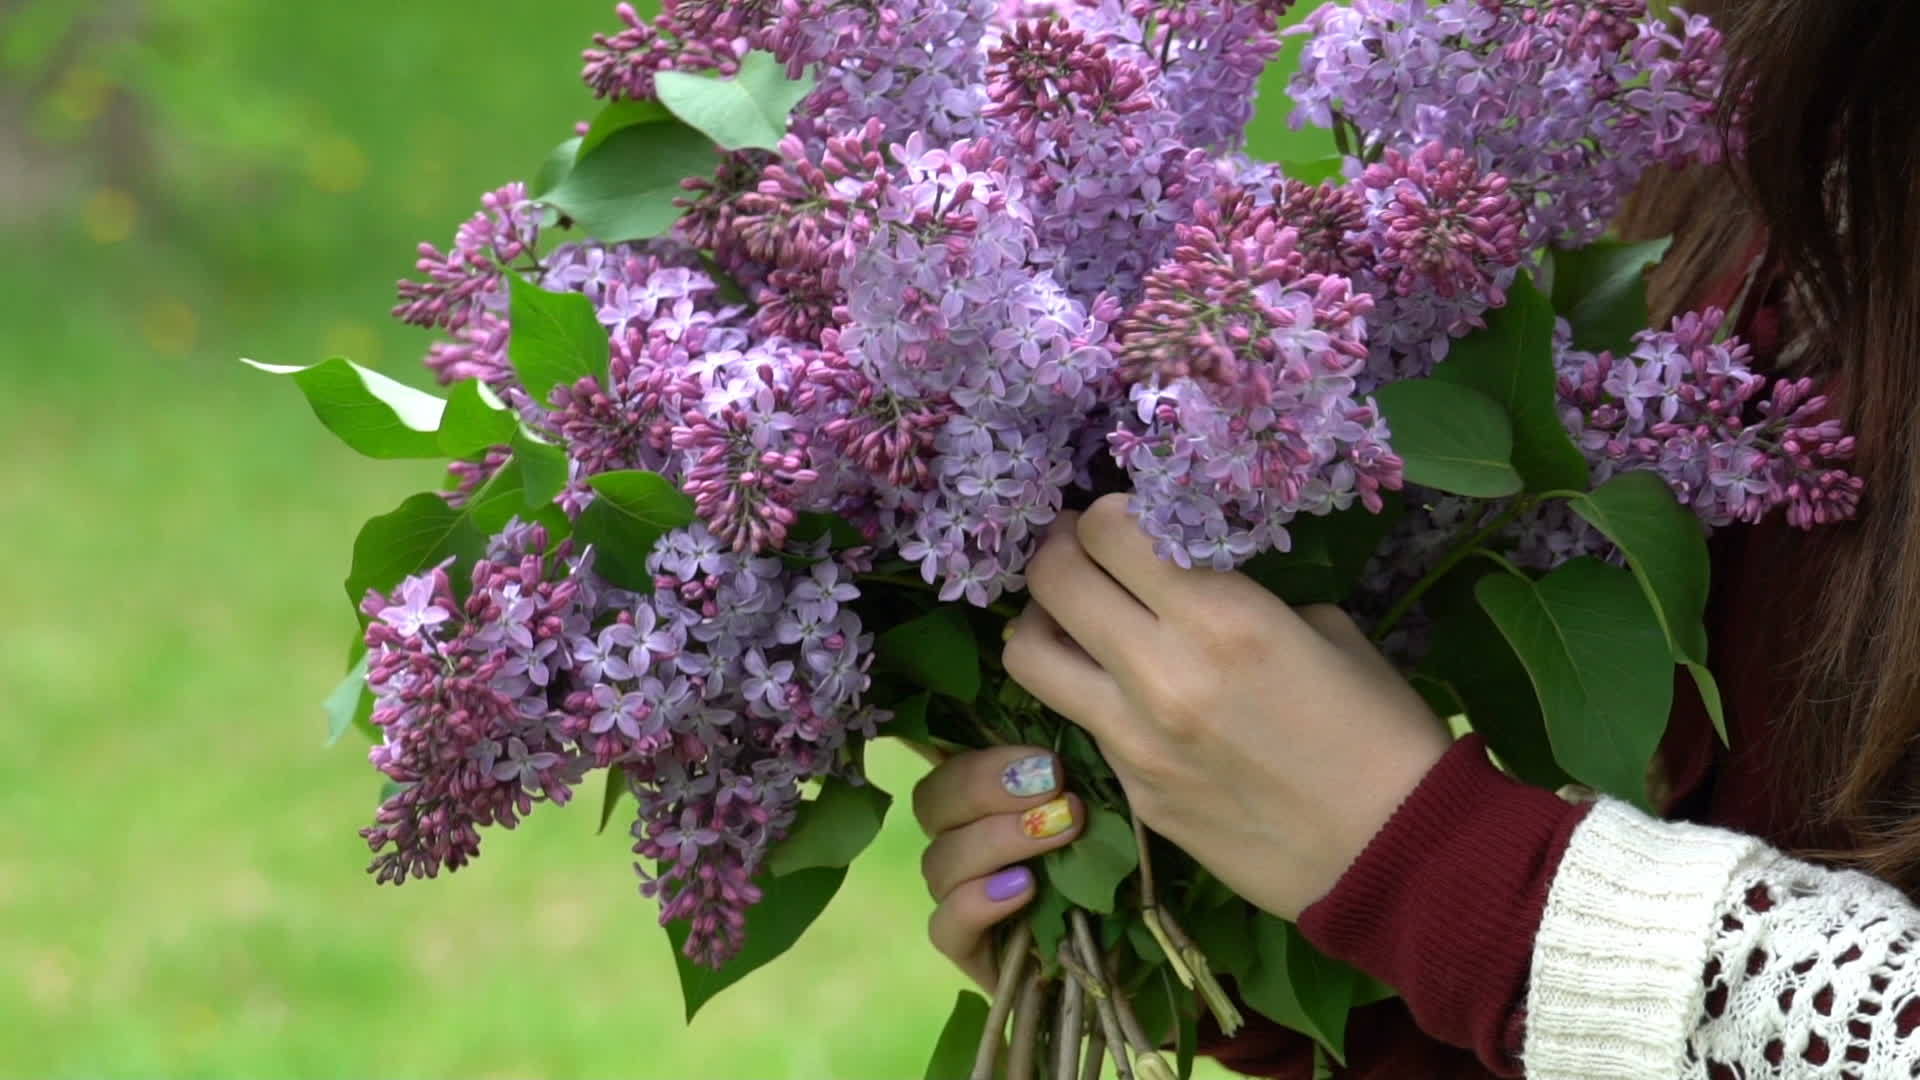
(1047, 819)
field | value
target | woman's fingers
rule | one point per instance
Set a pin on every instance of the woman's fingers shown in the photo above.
(968, 787)
(977, 850)
(1054, 668)
(961, 926)
(1095, 609)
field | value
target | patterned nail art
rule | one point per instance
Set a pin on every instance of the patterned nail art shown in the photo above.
(1047, 819)
(1029, 776)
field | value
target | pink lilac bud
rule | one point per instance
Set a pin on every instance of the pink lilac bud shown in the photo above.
(467, 279)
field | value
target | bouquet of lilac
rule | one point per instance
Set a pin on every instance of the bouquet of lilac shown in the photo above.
(764, 391)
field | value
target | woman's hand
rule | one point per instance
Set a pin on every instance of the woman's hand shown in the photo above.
(987, 811)
(1269, 743)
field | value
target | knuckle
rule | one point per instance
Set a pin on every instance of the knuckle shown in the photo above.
(1327, 619)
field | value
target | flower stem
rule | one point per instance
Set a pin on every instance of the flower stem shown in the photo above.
(1103, 1001)
(1068, 1026)
(1026, 1028)
(1013, 964)
(1454, 558)
(1096, 1049)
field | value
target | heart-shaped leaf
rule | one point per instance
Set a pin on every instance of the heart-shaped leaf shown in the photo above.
(1088, 870)
(1599, 664)
(1297, 986)
(422, 532)
(378, 416)
(832, 828)
(959, 1040)
(1666, 547)
(936, 650)
(557, 338)
(1511, 361)
(632, 510)
(349, 702)
(746, 111)
(1601, 290)
(1453, 438)
(475, 421)
(624, 188)
(788, 905)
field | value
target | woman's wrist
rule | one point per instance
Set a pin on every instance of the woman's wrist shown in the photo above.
(1413, 911)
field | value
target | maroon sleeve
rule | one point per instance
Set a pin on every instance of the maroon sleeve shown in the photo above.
(1444, 903)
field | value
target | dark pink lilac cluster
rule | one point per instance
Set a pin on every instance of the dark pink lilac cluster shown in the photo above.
(1569, 100)
(1734, 445)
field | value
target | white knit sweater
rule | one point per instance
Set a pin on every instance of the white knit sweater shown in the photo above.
(1672, 950)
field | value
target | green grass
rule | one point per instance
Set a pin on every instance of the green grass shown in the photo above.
(181, 887)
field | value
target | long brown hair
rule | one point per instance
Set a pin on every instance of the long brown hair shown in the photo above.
(1831, 179)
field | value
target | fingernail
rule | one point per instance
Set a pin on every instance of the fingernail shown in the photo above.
(1047, 819)
(1029, 776)
(1009, 883)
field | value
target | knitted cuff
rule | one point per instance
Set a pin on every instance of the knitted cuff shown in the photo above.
(1444, 902)
(1617, 966)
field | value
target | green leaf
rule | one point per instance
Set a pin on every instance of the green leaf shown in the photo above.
(1088, 870)
(909, 722)
(616, 789)
(1048, 917)
(1187, 1034)
(1601, 290)
(1473, 660)
(422, 532)
(558, 164)
(632, 511)
(619, 116)
(557, 338)
(625, 188)
(378, 416)
(937, 651)
(1511, 361)
(960, 1039)
(1451, 437)
(543, 468)
(345, 701)
(811, 526)
(747, 111)
(1295, 985)
(1225, 936)
(832, 829)
(1667, 549)
(1599, 665)
(1710, 697)
(788, 905)
(475, 421)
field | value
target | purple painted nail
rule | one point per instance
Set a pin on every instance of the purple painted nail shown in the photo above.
(1009, 883)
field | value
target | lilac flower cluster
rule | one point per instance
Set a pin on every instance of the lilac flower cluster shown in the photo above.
(1734, 445)
(464, 697)
(1002, 241)
(1570, 100)
(715, 698)
(1243, 367)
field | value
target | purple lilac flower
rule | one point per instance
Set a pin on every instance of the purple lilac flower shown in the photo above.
(1733, 444)
(1243, 368)
(467, 279)
(1570, 100)
(448, 697)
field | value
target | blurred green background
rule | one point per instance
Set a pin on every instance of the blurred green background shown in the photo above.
(182, 183)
